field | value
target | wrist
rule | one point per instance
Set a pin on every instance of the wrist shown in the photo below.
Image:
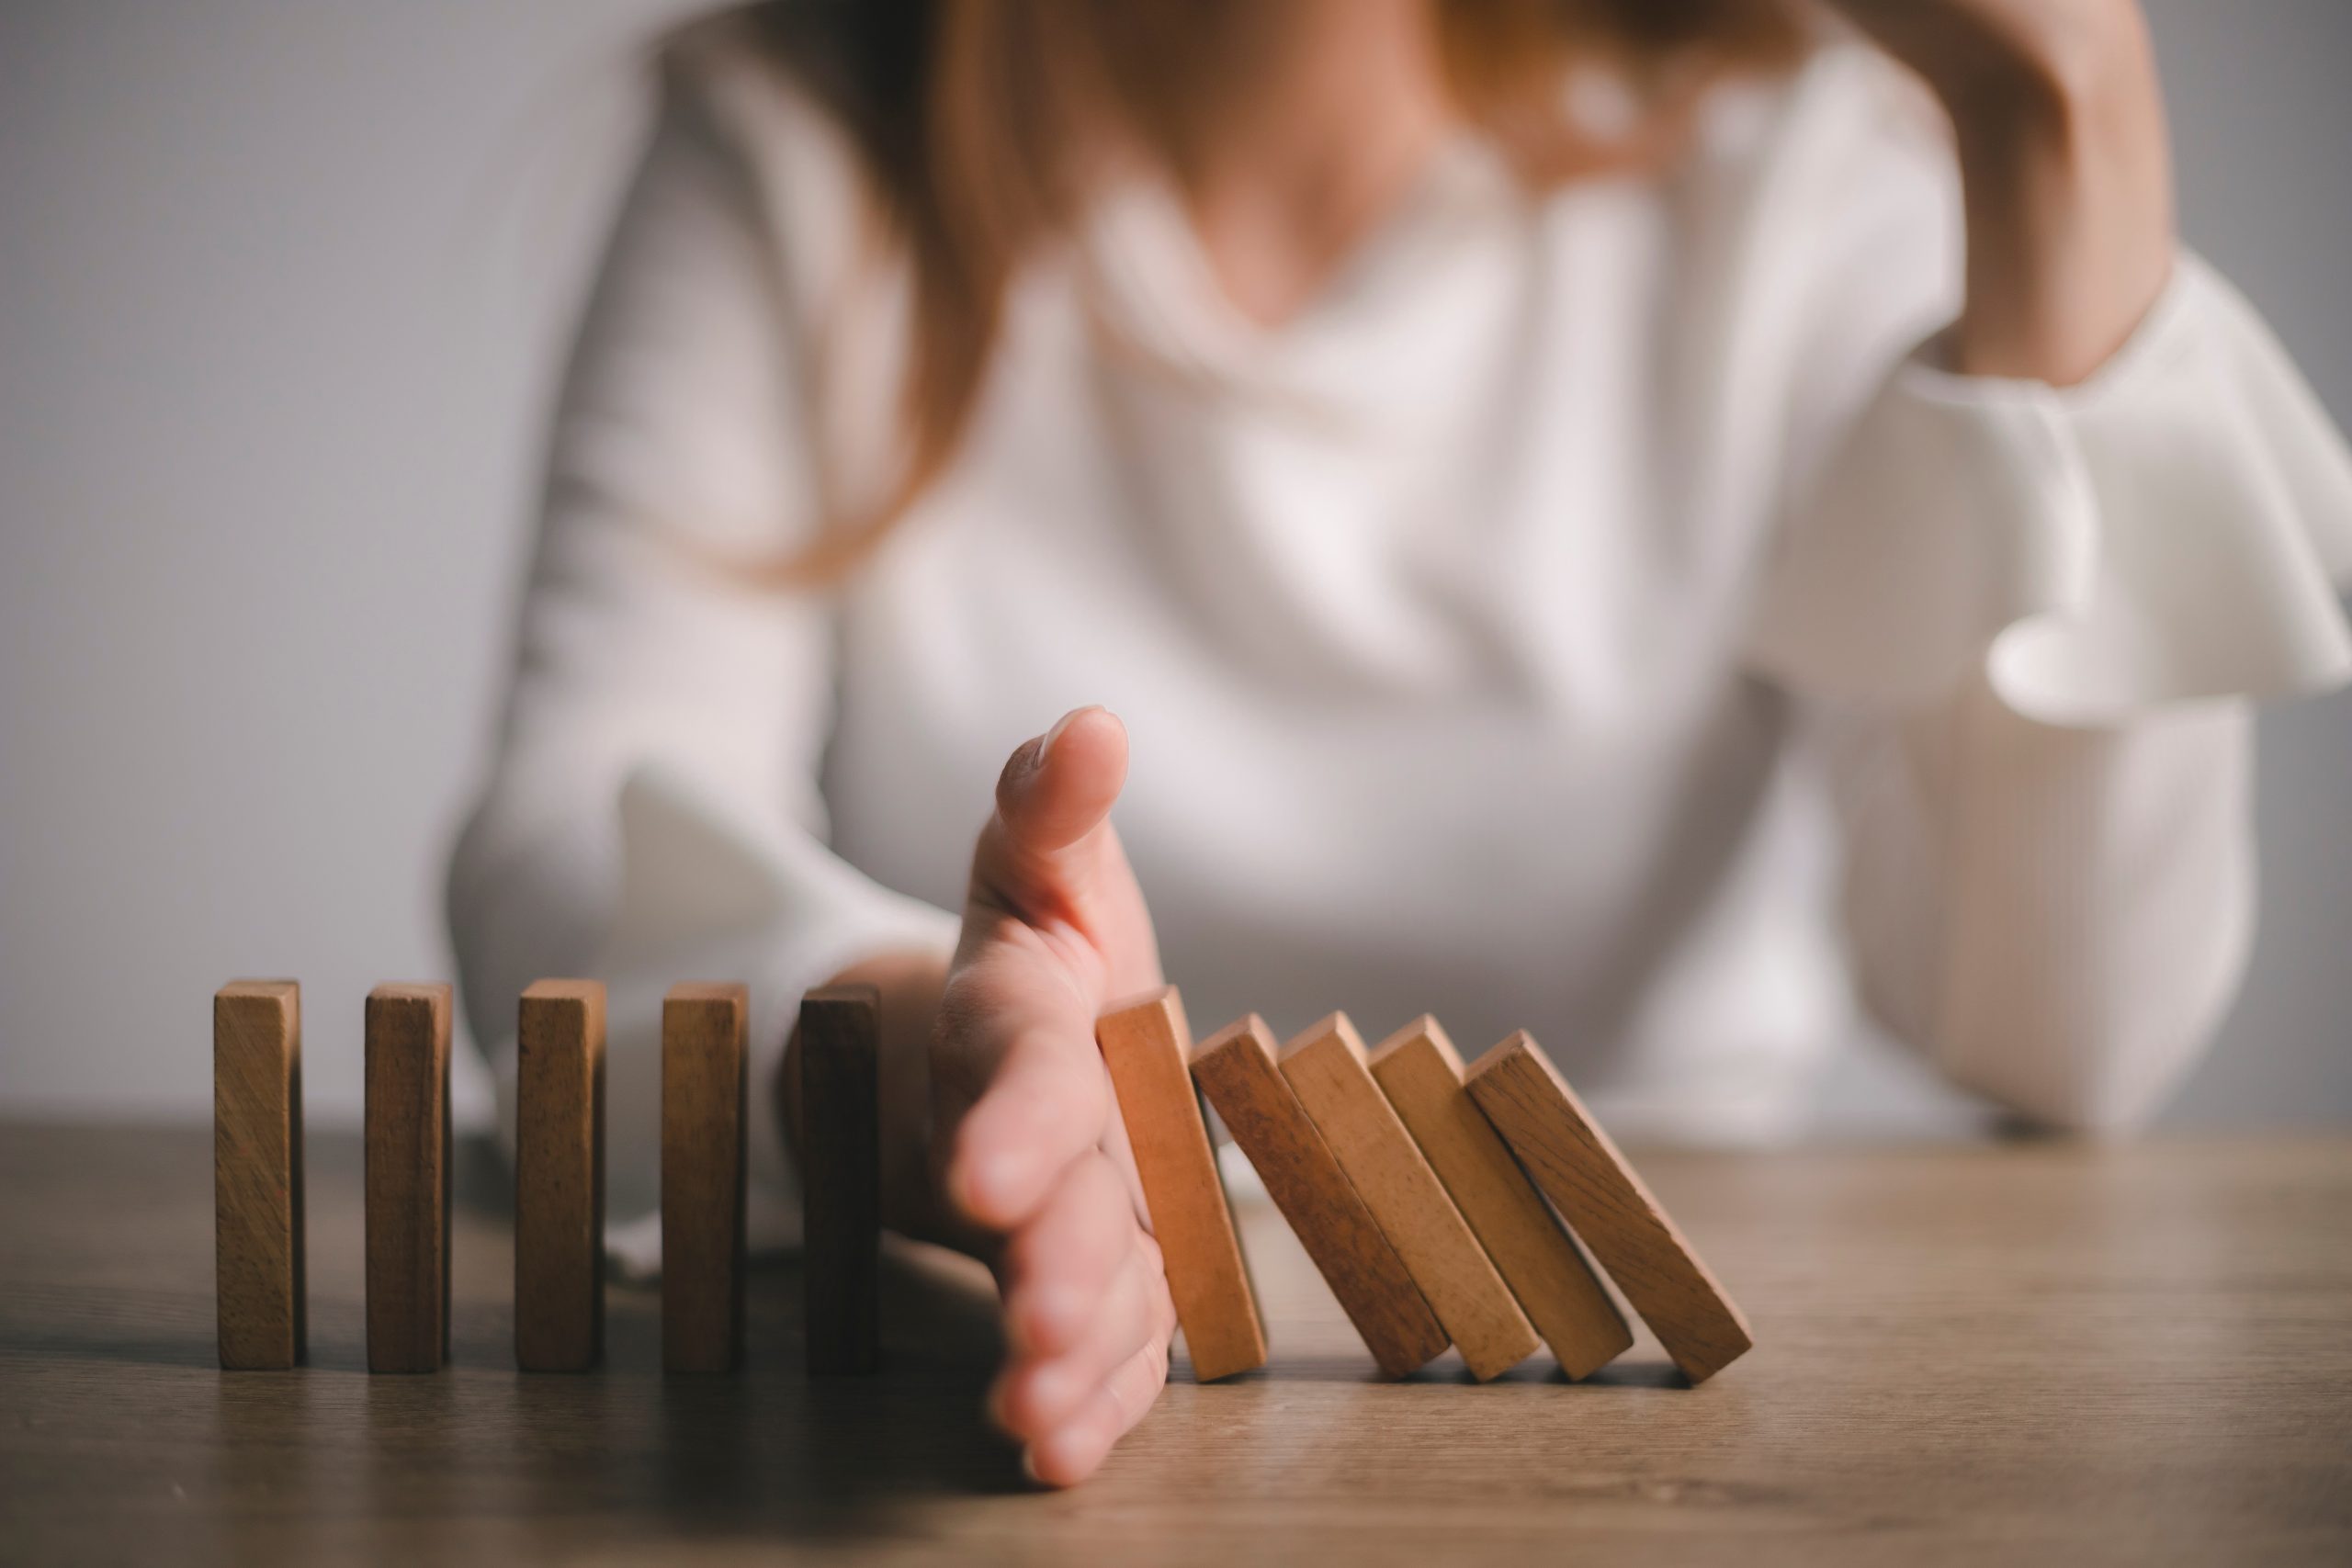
(2066, 182)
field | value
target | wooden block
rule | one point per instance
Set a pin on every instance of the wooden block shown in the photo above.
(258, 1174)
(841, 1149)
(1326, 1068)
(1235, 1069)
(1581, 1170)
(408, 1178)
(1146, 1046)
(704, 1116)
(1419, 1072)
(560, 1176)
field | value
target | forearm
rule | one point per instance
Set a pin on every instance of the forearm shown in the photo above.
(2066, 171)
(2068, 193)
(2058, 917)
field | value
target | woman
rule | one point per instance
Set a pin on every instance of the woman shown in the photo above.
(1609, 517)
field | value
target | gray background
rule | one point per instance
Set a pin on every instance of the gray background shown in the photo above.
(283, 284)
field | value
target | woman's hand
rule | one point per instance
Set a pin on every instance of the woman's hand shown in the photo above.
(1027, 1146)
(2064, 169)
(1000, 1133)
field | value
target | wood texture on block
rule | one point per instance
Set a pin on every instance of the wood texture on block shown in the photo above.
(408, 1178)
(1146, 1048)
(1235, 1069)
(840, 1144)
(1325, 1065)
(560, 1176)
(705, 1121)
(1419, 1072)
(1573, 1160)
(257, 1174)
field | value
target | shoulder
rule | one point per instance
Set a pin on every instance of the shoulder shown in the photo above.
(733, 100)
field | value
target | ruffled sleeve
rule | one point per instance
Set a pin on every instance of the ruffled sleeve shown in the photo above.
(2175, 528)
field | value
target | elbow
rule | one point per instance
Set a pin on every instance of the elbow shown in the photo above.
(2096, 1045)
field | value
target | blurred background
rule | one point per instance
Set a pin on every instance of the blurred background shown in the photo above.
(283, 288)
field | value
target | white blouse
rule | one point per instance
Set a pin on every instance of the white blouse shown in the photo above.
(1596, 613)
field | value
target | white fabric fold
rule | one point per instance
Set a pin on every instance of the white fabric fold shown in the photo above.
(2171, 530)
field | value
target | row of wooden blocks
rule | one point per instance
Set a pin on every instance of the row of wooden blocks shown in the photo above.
(558, 1176)
(1419, 1190)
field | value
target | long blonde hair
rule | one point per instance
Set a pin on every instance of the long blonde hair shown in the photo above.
(970, 118)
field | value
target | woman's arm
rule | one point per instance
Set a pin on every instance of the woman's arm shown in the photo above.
(654, 812)
(654, 815)
(2037, 577)
(2057, 916)
(2066, 171)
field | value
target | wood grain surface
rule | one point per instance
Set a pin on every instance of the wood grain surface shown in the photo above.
(840, 1177)
(408, 1178)
(1605, 1201)
(1147, 1046)
(1420, 1073)
(257, 1173)
(1236, 1070)
(560, 1176)
(1325, 1065)
(2040, 1352)
(706, 1114)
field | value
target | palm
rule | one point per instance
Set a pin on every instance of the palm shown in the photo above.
(1029, 1147)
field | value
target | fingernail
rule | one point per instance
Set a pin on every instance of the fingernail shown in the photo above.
(1061, 724)
(1029, 1466)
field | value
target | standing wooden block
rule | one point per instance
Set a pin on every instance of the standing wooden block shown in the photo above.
(1581, 1170)
(258, 1174)
(703, 1119)
(1235, 1069)
(1326, 1069)
(408, 1178)
(560, 1176)
(840, 1144)
(1419, 1072)
(1146, 1045)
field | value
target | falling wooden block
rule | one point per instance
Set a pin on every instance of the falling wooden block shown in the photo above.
(408, 1178)
(1235, 1069)
(1326, 1067)
(1581, 1170)
(560, 1176)
(258, 1174)
(1419, 1072)
(1146, 1045)
(703, 1117)
(840, 1154)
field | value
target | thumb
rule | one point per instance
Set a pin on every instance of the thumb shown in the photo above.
(1047, 850)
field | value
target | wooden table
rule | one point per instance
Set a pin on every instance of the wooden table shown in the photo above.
(2032, 1352)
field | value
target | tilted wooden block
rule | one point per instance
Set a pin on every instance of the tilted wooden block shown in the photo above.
(408, 1178)
(1326, 1067)
(1146, 1044)
(1419, 1072)
(704, 1115)
(840, 1156)
(560, 1176)
(1237, 1071)
(1581, 1170)
(258, 1174)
